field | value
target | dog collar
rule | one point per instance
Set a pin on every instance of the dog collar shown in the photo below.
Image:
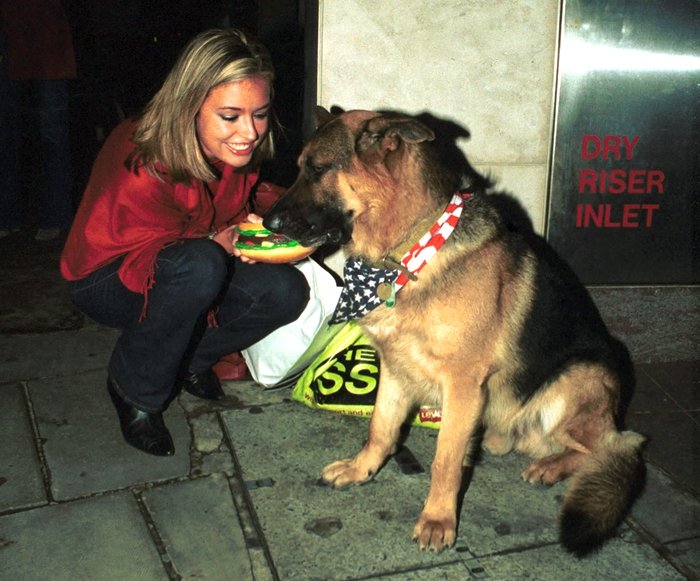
(366, 287)
(423, 250)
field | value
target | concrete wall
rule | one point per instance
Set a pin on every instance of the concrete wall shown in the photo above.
(488, 65)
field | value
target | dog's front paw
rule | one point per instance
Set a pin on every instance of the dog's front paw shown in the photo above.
(345, 473)
(434, 534)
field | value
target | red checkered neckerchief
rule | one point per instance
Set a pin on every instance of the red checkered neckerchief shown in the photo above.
(423, 250)
(367, 287)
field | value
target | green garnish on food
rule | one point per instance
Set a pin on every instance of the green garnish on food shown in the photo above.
(250, 238)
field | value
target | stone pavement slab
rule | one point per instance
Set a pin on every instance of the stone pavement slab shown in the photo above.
(687, 552)
(624, 560)
(444, 572)
(21, 482)
(314, 532)
(33, 356)
(83, 446)
(666, 511)
(200, 529)
(99, 538)
(656, 323)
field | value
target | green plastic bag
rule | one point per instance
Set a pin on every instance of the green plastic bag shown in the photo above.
(344, 378)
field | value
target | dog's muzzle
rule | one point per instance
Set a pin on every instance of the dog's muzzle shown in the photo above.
(310, 224)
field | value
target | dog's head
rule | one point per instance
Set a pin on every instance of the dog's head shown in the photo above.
(351, 172)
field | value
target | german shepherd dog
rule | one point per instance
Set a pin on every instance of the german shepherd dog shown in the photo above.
(495, 330)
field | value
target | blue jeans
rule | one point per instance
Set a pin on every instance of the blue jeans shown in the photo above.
(50, 100)
(192, 277)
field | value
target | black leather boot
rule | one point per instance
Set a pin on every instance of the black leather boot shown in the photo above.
(205, 385)
(142, 430)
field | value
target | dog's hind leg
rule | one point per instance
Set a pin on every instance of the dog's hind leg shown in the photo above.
(575, 420)
(556, 467)
(566, 421)
(497, 443)
(462, 407)
(501, 408)
(391, 409)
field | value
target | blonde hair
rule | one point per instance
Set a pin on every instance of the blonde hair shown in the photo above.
(166, 135)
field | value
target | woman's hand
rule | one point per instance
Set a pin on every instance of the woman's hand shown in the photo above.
(227, 238)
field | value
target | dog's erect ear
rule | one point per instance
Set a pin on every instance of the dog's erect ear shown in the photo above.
(386, 133)
(323, 116)
(409, 129)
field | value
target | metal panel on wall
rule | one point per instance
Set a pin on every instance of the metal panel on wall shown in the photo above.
(625, 188)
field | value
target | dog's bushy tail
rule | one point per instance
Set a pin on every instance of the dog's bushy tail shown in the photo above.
(601, 492)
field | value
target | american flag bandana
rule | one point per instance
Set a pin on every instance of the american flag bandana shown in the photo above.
(367, 287)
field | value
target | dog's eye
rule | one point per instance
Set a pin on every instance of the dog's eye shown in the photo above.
(315, 170)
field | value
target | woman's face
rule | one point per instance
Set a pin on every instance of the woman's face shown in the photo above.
(233, 120)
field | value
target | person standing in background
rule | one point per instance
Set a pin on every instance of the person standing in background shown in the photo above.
(36, 66)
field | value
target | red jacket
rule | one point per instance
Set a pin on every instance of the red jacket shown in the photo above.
(135, 215)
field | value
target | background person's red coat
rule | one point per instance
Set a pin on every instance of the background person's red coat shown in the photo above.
(39, 41)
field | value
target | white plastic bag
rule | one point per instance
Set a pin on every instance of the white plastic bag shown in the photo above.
(279, 358)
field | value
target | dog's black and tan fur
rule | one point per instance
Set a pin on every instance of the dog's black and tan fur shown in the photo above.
(495, 331)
